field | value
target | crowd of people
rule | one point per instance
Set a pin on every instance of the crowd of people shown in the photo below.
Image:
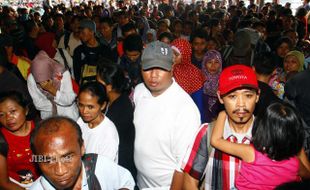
(208, 95)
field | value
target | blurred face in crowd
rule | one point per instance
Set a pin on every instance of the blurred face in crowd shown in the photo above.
(75, 26)
(213, 66)
(283, 49)
(86, 34)
(199, 45)
(106, 30)
(62, 165)
(211, 45)
(291, 64)
(133, 55)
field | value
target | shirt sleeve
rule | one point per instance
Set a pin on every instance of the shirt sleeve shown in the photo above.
(187, 125)
(39, 99)
(196, 156)
(65, 96)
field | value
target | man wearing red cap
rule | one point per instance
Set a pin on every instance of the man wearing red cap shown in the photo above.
(238, 91)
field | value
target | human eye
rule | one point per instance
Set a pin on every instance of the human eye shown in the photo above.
(231, 96)
(1, 114)
(249, 95)
(90, 107)
(67, 158)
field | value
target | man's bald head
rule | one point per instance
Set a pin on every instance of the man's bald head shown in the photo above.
(56, 125)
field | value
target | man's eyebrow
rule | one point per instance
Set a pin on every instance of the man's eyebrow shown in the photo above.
(67, 154)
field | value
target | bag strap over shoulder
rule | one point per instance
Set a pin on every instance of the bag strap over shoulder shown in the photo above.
(90, 161)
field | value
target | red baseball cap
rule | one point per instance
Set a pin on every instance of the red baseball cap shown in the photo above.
(237, 76)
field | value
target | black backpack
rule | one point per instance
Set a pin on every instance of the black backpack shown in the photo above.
(90, 161)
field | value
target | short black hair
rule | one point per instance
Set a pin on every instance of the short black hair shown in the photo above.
(278, 131)
(284, 40)
(52, 125)
(264, 63)
(16, 96)
(107, 20)
(112, 74)
(133, 42)
(165, 35)
(127, 27)
(96, 90)
(198, 34)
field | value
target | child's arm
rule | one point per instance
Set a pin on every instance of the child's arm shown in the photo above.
(245, 152)
(304, 165)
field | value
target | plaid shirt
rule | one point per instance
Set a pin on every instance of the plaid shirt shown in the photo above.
(220, 169)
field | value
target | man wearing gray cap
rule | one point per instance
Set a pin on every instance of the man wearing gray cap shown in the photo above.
(165, 119)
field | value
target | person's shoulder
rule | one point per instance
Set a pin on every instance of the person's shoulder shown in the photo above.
(37, 185)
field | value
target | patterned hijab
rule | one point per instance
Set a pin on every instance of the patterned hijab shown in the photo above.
(188, 76)
(211, 84)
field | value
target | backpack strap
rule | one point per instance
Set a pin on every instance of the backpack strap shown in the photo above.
(61, 51)
(90, 161)
(66, 39)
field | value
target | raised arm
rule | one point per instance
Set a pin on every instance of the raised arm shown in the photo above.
(304, 165)
(5, 183)
(245, 152)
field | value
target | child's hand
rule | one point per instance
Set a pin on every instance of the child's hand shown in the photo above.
(218, 129)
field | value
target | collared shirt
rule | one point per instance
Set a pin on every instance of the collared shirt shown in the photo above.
(197, 163)
(110, 176)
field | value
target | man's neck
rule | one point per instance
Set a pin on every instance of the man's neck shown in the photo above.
(263, 78)
(199, 56)
(79, 181)
(240, 128)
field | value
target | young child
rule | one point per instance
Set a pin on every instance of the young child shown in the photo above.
(275, 155)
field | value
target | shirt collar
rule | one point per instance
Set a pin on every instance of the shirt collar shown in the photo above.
(228, 131)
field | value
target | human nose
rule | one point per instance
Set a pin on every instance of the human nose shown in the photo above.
(154, 73)
(240, 101)
(60, 168)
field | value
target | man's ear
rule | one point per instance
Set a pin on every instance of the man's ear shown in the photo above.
(219, 97)
(83, 149)
(103, 106)
(258, 95)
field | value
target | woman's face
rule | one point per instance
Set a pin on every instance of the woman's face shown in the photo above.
(291, 64)
(89, 108)
(283, 49)
(12, 115)
(177, 56)
(213, 66)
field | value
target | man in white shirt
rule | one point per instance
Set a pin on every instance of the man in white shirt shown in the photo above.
(58, 147)
(165, 119)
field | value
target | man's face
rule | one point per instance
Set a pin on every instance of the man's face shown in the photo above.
(199, 45)
(291, 64)
(133, 56)
(86, 34)
(157, 80)
(105, 29)
(240, 104)
(62, 152)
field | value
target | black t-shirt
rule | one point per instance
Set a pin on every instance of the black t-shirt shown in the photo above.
(88, 55)
(121, 113)
(266, 98)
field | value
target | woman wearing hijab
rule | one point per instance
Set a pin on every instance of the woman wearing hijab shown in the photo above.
(188, 76)
(50, 87)
(47, 42)
(212, 68)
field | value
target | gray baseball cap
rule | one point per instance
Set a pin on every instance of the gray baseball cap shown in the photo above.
(87, 23)
(157, 54)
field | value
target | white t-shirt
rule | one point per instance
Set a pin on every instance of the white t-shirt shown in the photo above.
(72, 43)
(110, 176)
(164, 127)
(102, 140)
(64, 99)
